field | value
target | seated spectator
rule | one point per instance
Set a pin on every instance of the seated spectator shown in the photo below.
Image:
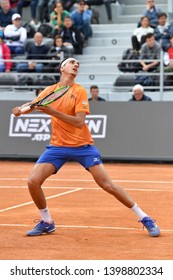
(5, 14)
(5, 66)
(94, 91)
(81, 18)
(139, 35)
(160, 30)
(168, 56)
(72, 37)
(58, 15)
(51, 4)
(15, 35)
(150, 50)
(67, 5)
(138, 94)
(57, 52)
(165, 42)
(33, 5)
(152, 13)
(38, 51)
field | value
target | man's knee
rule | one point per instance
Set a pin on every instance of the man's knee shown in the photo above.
(33, 182)
(107, 186)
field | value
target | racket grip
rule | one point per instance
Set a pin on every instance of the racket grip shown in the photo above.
(25, 109)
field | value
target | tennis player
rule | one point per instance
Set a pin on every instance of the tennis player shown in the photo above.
(71, 140)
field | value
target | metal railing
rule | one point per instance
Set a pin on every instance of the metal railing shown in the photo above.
(88, 78)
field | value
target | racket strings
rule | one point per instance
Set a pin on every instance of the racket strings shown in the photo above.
(53, 96)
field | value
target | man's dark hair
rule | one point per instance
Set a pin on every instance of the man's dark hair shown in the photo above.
(94, 87)
(162, 15)
(149, 35)
(80, 1)
(67, 17)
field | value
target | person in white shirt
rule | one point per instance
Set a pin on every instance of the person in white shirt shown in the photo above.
(15, 35)
(139, 34)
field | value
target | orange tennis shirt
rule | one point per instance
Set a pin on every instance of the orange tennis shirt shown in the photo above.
(75, 100)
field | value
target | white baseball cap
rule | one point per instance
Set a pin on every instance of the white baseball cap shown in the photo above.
(15, 16)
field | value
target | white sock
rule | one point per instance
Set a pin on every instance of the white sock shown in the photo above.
(138, 212)
(45, 215)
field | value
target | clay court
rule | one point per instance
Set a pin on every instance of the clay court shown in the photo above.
(91, 224)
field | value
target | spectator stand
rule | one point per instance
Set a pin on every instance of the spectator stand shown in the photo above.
(99, 62)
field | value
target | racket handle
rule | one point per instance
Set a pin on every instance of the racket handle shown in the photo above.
(25, 109)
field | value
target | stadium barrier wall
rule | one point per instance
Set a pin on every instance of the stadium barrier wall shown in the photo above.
(121, 131)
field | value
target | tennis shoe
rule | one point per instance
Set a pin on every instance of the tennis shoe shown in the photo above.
(42, 228)
(151, 226)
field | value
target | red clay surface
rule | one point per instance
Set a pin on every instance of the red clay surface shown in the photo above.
(91, 224)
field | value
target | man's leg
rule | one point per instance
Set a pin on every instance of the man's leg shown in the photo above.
(38, 175)
(40, 7)
(102, 179)
(22, 67)
(39, 67)
(33, 7)
(19, 50)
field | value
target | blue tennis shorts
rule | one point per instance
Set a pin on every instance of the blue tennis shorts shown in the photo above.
(86, 155)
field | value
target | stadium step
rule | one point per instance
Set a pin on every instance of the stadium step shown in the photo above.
(98, 64)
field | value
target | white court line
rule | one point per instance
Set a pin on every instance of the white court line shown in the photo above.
(51, 187)
(89, 188)
(31, 202)
(91, 180)
(83, 227)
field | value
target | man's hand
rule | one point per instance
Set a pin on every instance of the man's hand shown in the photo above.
(145, 68)
(86, 7)
(45, 109)
(16, 111)
(31, 65)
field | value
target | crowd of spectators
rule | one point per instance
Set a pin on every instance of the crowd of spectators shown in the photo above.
(70, 21)
(70, 25)
(153, 34)
(155, 21)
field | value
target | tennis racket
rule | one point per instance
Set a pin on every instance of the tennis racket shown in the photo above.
(50, 98)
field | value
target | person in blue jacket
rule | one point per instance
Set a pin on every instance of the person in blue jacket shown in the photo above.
(152, 13)
(81, 18)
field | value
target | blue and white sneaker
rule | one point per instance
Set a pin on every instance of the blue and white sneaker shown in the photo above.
(42, 228)
(151, 226)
